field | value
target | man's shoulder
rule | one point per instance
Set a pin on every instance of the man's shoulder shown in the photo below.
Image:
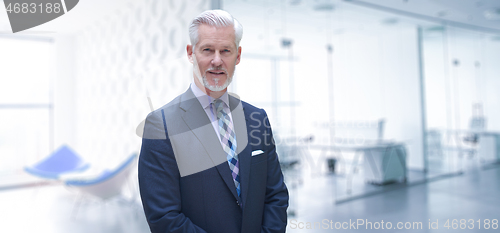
(163, 110)
(171, 106)
(174, 106)
(249, 108)
(156, 121)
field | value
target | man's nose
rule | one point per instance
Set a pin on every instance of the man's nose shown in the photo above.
(216, 61)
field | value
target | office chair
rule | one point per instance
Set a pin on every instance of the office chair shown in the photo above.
(106, 185)
(477, 124)
(62, 161)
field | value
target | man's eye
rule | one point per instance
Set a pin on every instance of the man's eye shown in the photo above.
(226, 50)
(206, 50)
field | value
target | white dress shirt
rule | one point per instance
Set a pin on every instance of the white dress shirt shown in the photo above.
(206, 103)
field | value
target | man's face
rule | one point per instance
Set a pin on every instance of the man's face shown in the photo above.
(216, 56)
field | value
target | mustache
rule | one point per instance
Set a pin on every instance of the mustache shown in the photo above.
(216, 69)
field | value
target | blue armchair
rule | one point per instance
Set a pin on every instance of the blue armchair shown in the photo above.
(63, 160)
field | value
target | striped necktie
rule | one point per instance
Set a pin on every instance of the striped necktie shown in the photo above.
(228, 140)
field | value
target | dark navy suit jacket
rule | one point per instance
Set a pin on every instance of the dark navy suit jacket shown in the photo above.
(185, 180)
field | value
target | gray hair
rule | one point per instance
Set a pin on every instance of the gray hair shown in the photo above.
(216, 18)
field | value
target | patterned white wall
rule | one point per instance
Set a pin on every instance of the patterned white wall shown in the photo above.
(139, 47)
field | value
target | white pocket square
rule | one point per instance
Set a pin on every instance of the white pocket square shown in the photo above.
(257, 152)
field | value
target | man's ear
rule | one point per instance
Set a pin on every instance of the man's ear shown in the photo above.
(189, 50)
(239, 56)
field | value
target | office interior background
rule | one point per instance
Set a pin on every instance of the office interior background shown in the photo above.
(368, 100)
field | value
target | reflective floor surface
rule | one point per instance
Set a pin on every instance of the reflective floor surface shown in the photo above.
(472, 197)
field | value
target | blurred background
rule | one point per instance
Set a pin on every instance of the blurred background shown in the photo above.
(386, 109)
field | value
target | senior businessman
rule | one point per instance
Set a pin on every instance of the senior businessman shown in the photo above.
(208, 161)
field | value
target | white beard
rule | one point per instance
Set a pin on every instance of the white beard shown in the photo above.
(215, 87)
(204, 80)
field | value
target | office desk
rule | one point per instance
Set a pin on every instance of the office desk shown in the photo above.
(385, 162)
(489, 146)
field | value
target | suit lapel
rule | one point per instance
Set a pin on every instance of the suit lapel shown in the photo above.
(197, 120)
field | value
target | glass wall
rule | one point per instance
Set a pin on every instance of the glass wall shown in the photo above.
(357, 96)
(337, 82)
(461, 82)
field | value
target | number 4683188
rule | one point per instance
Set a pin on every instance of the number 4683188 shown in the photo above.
(471, 224)
(32, 8)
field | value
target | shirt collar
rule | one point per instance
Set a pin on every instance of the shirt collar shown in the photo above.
(206, 100)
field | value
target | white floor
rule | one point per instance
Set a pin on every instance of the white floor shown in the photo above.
(472, 195)
(49, 209)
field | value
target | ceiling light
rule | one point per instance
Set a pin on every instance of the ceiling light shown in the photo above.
(323, 5)
(492, 14)
(390, 21)
(442, 13)
(435, 29)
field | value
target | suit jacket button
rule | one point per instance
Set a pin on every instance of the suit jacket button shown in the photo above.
(237, 203)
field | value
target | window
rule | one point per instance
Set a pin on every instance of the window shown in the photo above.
(25, 102)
